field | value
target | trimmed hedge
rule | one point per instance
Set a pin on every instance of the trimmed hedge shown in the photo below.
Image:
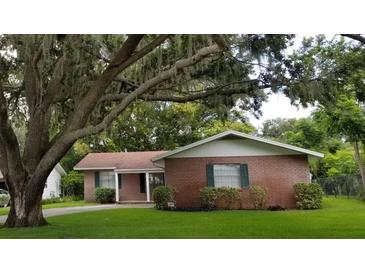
(258, 196)
(208, 197)
(308, 195)
(162, 195)
(226, 197)
(104, 195)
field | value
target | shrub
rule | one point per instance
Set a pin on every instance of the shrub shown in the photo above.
(163, 195)
(208, 197)
(258, 196)
(4, 199)
(72, 184)
(229, 195)
(51, 201)
(308, 196)
(104, 195)
(64, 199)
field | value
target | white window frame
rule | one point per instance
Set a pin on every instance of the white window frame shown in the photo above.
(232, 178)
(107, 179)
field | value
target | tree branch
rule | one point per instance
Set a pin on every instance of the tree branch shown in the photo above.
(147, 49)
(357, 37)
(122, 60)
(9, 145)
(83, 110)
(125, 56)
(196, 95)
(163, 76)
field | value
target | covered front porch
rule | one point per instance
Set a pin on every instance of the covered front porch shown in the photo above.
(136, 186)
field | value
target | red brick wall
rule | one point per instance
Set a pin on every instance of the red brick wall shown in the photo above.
(129, 192)
(130, 188)
(89, 186)
(277, 173)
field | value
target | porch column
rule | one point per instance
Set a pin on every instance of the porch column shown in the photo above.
(116, 187)
(148, 186)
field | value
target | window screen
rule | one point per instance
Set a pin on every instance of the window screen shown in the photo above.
(227, 175)
(107, 179)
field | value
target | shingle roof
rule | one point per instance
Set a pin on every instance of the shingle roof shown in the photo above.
(118, 160)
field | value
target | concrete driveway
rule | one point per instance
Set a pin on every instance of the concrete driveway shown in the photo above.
(70, 210)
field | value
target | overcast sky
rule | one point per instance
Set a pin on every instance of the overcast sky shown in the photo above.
(278, 105)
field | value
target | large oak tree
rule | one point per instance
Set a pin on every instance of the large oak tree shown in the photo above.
(64, 87)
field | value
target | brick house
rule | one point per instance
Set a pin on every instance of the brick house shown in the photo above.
(231, 159)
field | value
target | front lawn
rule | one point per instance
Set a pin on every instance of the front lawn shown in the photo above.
(340, 218)
(5, 210)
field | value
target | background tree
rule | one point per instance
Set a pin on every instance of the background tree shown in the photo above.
(340, 163)
(347, 118)
(158, 126)
(275, 128)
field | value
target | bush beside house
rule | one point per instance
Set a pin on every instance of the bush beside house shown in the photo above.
(104, 195)
(219, 198)
(228, 198)
(308, 196)
(208, 197)
(162, 196)
(258, 196)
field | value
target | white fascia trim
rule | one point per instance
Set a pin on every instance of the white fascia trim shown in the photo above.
(140, 170)
(241, 135)
(94, 168)
(60, 169)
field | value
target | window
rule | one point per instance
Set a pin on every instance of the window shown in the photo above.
(157, 179)
(142, 182)
(107, 179)
(227, 175)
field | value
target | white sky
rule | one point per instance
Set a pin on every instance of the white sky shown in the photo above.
(278, 105)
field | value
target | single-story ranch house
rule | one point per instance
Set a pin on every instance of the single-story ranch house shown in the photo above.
(230, 159)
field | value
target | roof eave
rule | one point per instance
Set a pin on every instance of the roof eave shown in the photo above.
(94, 168)
(239, 134)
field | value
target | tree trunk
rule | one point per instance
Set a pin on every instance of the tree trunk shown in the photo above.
(360, 163)
(25, 208)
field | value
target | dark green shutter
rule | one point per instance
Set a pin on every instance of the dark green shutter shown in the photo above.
(119, 180)
(244, 176)
(97, 179)
(210, 175)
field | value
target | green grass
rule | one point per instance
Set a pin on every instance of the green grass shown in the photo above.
(5, 210)
(340, 218)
